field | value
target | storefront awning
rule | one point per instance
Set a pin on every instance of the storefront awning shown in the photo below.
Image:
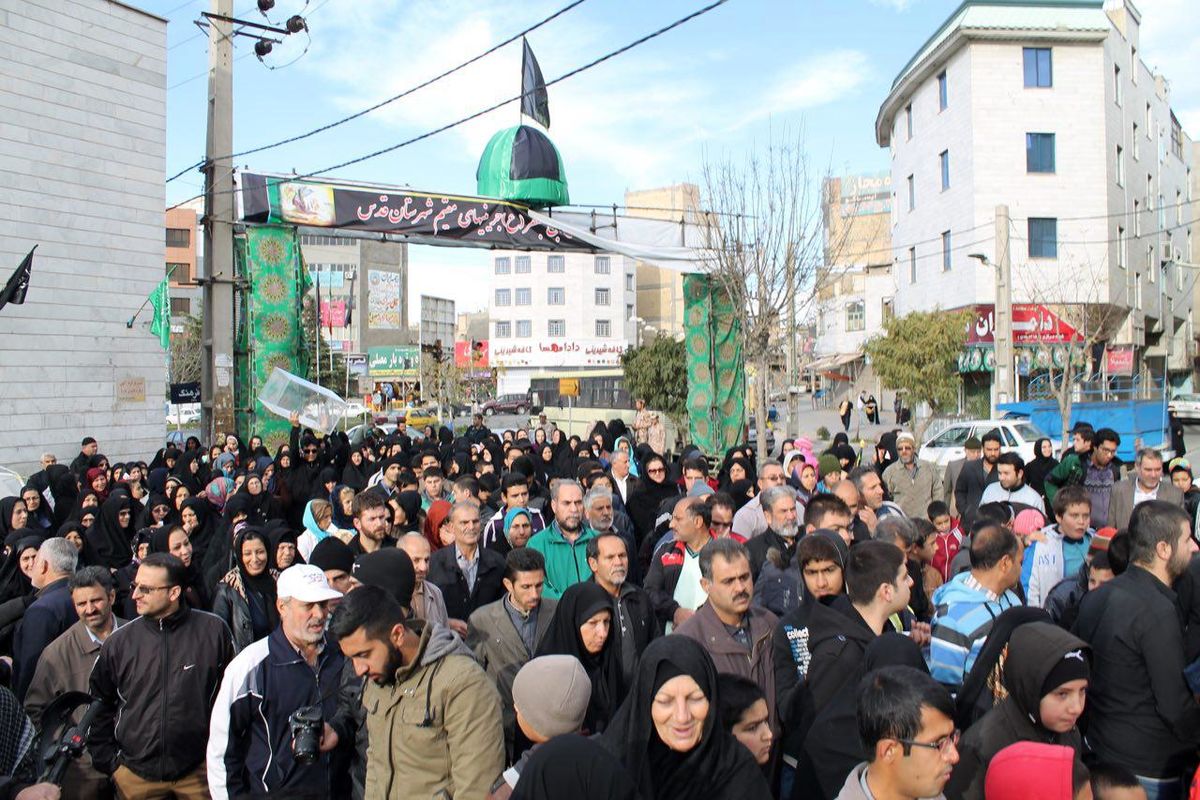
(832, 361)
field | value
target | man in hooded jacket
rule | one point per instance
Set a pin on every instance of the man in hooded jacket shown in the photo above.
(1046, 675)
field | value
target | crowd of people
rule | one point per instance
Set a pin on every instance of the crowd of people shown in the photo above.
(534, 615)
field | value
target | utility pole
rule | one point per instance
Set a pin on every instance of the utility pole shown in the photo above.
(1004, 330)
(217, 367)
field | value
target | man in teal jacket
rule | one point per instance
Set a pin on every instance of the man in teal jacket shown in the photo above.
(564, 543)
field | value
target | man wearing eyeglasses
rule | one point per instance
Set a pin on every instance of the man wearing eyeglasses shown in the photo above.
(1145, 484)
(906, 720)
(158, 675)
(1095, 470)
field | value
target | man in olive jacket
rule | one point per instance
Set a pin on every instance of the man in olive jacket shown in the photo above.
(433, 715)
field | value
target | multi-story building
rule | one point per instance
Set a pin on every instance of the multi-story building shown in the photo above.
(1046, 107)
(83, 151)
(551, 311)
(659, 289)
(184, 255)
(364, 293)
(855, 286)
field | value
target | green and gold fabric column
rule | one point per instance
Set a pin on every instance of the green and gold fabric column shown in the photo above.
(274, 336)
(715, 366)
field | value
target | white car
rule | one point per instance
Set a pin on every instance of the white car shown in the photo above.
(355, 409)
(1185, 407)
(1019, 435)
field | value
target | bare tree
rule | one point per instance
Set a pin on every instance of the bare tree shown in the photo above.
(1071, 317)
(186, 352)
(764, 246)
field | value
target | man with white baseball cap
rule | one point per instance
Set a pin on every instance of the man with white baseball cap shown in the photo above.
(275, 699)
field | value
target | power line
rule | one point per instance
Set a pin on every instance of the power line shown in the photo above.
(1116, 214)
(394, 98)
(595, 62)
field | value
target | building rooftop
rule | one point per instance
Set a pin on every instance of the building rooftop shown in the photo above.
(993, 19)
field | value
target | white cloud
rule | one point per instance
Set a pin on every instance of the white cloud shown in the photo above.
(822, 79)
(895, 5)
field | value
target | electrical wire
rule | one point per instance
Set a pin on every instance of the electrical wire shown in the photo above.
(394, 98)
(1115, 214)
(595, 62)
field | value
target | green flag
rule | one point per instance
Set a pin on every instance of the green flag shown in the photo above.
(160, 326)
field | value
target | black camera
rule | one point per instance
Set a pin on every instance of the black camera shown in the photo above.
(307, 727)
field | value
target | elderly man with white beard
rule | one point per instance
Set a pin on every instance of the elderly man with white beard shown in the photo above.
(783, 528)
(634, 623)
(600, 516)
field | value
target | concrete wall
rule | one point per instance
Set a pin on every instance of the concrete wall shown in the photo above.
(82, 146)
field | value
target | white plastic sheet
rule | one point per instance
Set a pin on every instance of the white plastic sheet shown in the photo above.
(318, 407)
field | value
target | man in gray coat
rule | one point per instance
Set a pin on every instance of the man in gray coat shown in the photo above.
(972, 451)
(505, 634)
(1146, 483)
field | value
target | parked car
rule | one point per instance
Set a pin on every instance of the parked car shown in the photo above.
(1186, 407)
(1019, 436)
(355, 409)
(508, 404)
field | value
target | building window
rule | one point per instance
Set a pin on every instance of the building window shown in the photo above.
(178, 237)
(1043, 237)
(912, 193)
(524, 297)
(856, 317)
(629, 284)
(1137, 290)
(1176, 138)
(912, 265)
(943, 97)
(1137, 219)
(524, 328)
(1120, 166)
(1039, 73)
(1178, 207)
(888, 309)
(1133, 64)
(603, 265)
(1149, 121)
(1039, 152)
(556, 327)
(556, 264)
(944, 163)
(603, 328)
(946, 251)
(628, 311)
(503, 297)
(503, 330)
(522, 265)
(1118, 95)
(602, 297)
(181, 306)
(1162, 214)
(503, 265)
(908, 119)
(556, 296)
(1122, 246)
(180, 273)
(1137, 148)
(1151, 267)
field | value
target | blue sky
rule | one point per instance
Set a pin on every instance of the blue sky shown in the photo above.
(717, 85)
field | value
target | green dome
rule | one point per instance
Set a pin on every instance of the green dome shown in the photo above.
(522, 164)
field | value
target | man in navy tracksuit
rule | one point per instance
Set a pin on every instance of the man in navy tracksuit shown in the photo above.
(250, 743)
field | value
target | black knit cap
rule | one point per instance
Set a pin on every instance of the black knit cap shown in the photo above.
(1072, 666)
(388, 568)
(332, 553)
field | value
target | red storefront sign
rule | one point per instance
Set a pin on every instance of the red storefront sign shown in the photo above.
(1032, 324)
